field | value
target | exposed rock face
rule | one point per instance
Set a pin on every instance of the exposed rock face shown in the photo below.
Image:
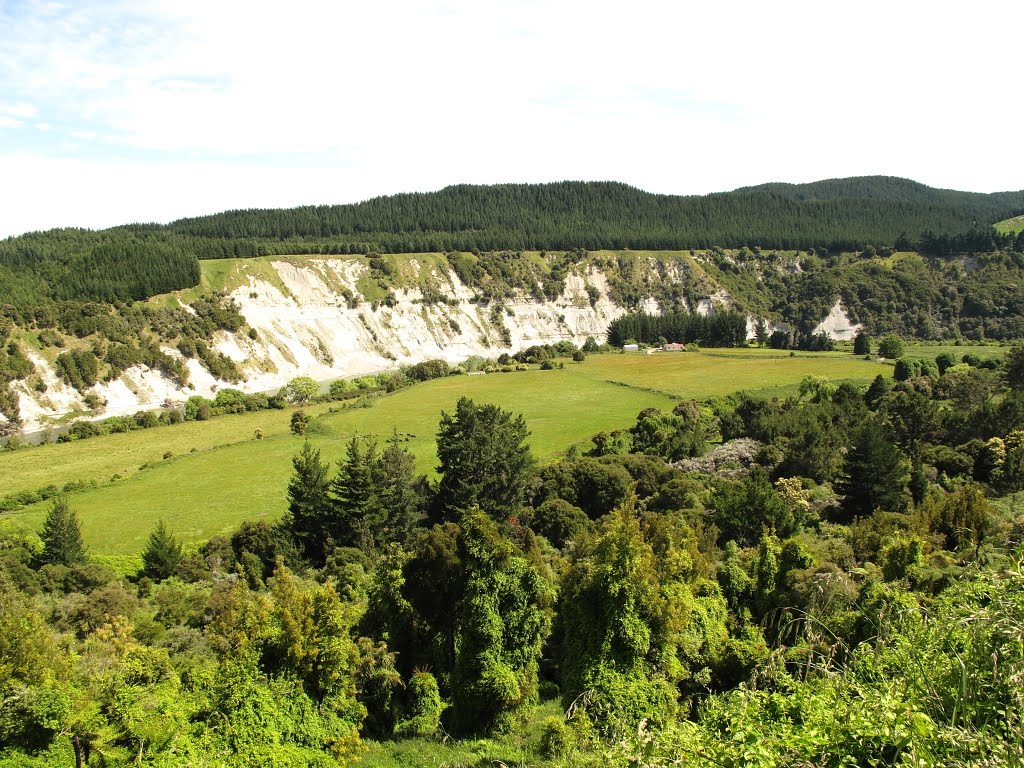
(838, 324)
(312, 320)
(306, 327)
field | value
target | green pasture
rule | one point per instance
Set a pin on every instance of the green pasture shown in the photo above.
(219, 475)
(930, 350)
(716, 372)
(1016, 224)
(100, 459)
(519, 748)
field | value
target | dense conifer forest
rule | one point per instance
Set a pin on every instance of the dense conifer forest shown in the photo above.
(140, 260)
(838, 214)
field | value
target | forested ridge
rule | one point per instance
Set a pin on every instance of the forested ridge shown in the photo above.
(837, 214)
(831, 579)
(139, 260)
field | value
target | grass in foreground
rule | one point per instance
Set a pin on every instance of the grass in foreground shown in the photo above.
(517, 749)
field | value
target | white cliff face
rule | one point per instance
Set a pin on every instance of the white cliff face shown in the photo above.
(313, 332)
(309, 329)
(838, 325)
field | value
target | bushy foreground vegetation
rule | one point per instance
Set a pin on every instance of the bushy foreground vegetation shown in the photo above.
(825, 579)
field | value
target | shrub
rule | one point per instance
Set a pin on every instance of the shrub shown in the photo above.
(424, 709)
(891, 347)
(301, 389)
(299, 423)
(556, 738)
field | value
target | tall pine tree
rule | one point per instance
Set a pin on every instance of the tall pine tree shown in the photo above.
(484, 460)
(395, 484)
(62, 537)
(308, 504)
(875, 472)
(354, 511)
(162, 554)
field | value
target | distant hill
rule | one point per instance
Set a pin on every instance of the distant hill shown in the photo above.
(839, 214)
(139, 260)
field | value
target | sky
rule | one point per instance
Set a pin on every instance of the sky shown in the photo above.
(116, 111)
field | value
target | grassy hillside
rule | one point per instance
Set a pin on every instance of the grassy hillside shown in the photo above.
(220, 475)
(1014, 225)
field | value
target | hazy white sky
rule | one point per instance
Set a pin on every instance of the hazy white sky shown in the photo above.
(118, 111)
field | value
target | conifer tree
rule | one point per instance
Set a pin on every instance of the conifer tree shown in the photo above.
(62, 537)
(875, 472)
(354, 513)
(395, 487)
(862, 343)
(308, 504)
(484, 460)
(162, 554)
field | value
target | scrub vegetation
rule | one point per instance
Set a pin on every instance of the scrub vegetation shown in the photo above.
(780, 553)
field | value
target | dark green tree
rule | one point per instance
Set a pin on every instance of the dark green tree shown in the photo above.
(862, 343)
(742, 510)
(62, 537)
(484, 460)
(308, 504)
(299, 422)
(876, 392)
(397, 495)
(674, 436)
(355, 513)
(1015, 366)
(761, 333)
(162, 554)
(559, 521)
(915, 421)
(875, 472)
(944, 361)
(432, 585)
(906, 368)
(891, 347)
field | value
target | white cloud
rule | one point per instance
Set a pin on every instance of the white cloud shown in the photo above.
(21, 109)
(9, 122)
(356, 99)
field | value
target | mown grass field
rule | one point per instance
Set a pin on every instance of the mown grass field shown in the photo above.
(219, 475)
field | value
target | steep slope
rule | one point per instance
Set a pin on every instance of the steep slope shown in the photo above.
(256, 323)
(309, 317)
